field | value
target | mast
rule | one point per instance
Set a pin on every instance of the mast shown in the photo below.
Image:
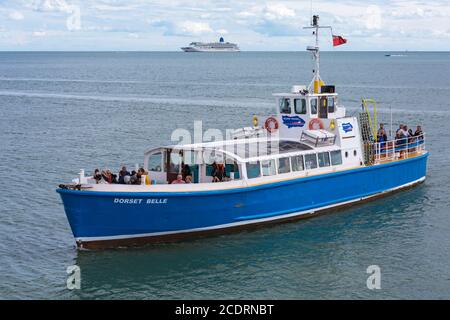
(316, 82)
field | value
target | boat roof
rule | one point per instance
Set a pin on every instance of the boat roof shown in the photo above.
(298, 94)
(247, 150)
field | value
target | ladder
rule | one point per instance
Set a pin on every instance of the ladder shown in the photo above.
(366, 137)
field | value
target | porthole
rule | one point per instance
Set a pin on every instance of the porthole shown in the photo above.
(354, 153)
(346, 154)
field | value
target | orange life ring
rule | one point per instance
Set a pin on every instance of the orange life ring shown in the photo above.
(315, 124)
(271, 124)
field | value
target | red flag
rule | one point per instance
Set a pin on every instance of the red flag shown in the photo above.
(338, 40)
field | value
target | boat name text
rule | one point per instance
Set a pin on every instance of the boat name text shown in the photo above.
(140, 201)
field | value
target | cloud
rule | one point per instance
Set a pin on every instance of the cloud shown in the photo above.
(16, 15)
(373, 17)
(73, 21)
(277, 11)
(39, 33)
(52, 5)
(272, 19)
(185, 28)
(195, 28)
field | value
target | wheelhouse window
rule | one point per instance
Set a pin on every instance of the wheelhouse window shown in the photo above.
(324, 159)
(284, 165)
(253, 169)
(268, 167)
(297, 163)
(330, 104)
(336, 157)
(155, 162)
(310, 161)
(300, 106)
(313, 104)
(285, 105)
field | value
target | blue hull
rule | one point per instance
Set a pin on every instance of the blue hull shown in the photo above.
(107, 218)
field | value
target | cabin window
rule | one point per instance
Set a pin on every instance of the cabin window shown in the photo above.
(324, 159)
(300, 106)
(336, 157)
(284, 165)
(285, 105)
(253, 169)
(297, 163)
(330, 104)
(175, 162)
(313, 104)
(155, 161)
(268, 167)
(310, 161)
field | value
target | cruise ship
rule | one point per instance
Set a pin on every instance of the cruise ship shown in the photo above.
(220, 46)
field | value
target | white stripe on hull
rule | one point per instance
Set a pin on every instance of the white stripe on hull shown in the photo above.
(246, 222)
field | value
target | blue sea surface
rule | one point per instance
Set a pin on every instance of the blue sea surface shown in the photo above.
(64, 111)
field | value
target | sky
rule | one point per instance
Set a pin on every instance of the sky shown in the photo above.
(167, 25)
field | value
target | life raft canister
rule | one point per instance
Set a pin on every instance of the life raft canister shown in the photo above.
(271, 124)
(315, 124)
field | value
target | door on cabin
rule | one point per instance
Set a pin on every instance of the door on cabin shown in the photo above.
(323, 113)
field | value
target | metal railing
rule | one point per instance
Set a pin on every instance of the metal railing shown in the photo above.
(402, 148)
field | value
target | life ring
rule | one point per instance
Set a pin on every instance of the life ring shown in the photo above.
(315, 124)
(271, 124)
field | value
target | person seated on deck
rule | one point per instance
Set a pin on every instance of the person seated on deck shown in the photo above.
(122, 174)
(134, 179)
(179, 179)
(219, 173)
(186, 171)
(188, 179)
(142, 173)
(97, 176)
(108, 176)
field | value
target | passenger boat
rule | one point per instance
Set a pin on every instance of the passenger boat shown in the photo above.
(307, 158)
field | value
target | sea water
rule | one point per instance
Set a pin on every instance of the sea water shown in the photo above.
(62, 112)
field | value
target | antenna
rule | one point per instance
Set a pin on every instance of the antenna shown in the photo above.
(316, 53)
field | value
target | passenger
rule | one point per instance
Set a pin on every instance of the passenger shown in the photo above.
(214, 171)
(107, 176)
(382, 138)
(179, 179)
(134, 179)
(97, 176)
(188, 179)
(220, 173)
(122, 174)
(380, 132)
(141, 172)
(186, 171)
(397, 133)
(419, 133)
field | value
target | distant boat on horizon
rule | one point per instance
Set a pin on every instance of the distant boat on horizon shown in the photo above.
(220, 46)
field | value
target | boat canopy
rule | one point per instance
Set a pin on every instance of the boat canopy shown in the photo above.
(240, 150)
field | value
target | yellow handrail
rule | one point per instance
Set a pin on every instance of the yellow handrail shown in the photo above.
(372, 122)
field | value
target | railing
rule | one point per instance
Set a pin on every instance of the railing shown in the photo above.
(402, 148)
